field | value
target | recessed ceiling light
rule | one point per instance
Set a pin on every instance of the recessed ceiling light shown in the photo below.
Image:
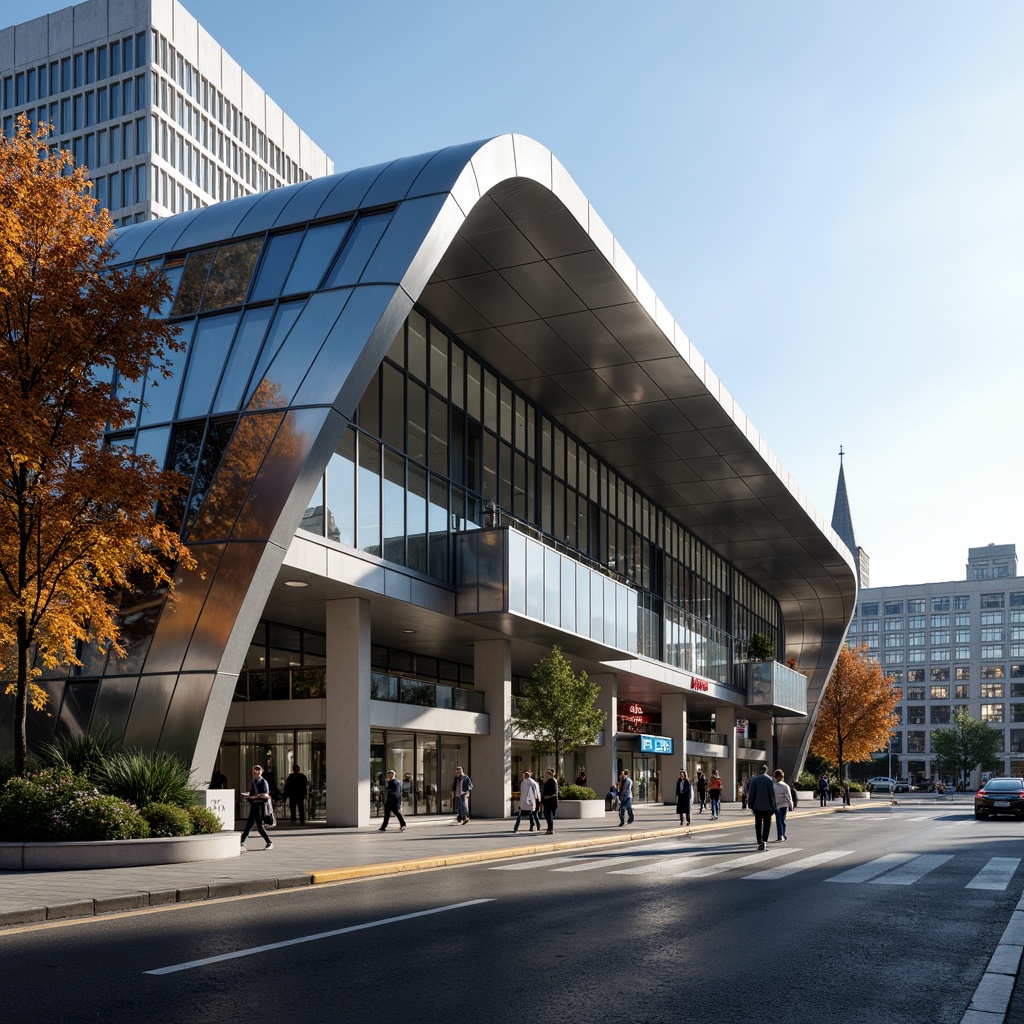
(407, 631)
(296, 583)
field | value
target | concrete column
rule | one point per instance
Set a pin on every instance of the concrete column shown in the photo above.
(348, 712)
(725, 722)
(491, 770)
(601, 759)
(673, 723)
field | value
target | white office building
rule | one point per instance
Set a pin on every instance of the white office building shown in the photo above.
(141, 94)
(951, 645)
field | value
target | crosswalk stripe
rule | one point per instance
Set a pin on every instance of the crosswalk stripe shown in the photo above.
(791, 868)
(995, 875)
(591, 865)
(740, 862)
(865, 872)
(913, 870)
(542, 863)
(669, 863)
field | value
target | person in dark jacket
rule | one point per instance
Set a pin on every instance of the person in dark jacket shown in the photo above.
(702, 791)
(392, 802)
(549, 797)
(296, 787)
(761, 800)
(684, 797)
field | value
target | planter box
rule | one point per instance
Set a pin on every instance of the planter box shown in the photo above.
(117, 853)
(580, 808)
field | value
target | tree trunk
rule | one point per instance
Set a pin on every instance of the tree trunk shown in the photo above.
(21, 700)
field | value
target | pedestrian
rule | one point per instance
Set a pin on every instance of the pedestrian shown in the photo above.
(611, 798)
(625, 797)
(715, 792)
(684, 795)
(296, 786)
(529, 798)
(259, 799)
(581, 777)
(461, 788)
(550, 799)
(702, 790)
(823, 790)
(392, 802)
(761, 800)
(783, 805)
(219, 780)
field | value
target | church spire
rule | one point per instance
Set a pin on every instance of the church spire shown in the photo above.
(842, 523)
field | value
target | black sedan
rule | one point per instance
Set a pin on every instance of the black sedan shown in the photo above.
(1000, 796)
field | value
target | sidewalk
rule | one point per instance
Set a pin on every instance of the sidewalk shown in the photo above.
(316, 854)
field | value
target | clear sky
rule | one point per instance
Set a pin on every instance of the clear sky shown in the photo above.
(828, 197)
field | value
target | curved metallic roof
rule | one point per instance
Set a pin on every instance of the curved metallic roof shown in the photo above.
(496, 240)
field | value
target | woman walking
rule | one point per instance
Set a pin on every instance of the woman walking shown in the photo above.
(684, 796)
(715, 792)
(783, 804)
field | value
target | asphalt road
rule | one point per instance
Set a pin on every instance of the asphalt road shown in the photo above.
(887, 915)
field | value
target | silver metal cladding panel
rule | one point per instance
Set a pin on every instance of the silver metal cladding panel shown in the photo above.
(394, 183)
(219, 221)
(347, 195)
(306, 198)
(164, 237)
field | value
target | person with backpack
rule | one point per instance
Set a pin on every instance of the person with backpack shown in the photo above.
(529, 798)
(461, 788)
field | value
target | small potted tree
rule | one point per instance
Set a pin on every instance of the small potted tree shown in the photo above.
(558, 709)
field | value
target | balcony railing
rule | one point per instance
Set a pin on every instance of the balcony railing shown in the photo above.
(424, 694)
(282, 684)
(699, 736)
(774, 687)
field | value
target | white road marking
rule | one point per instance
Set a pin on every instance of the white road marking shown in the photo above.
(670, 863)
(913, 870)
(865, 872)
(740, 862)
(543, 863)
(995, 875)
(592, 864)
(783, 870)
(312, 938)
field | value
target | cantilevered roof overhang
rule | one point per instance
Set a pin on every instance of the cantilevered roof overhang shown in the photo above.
(496, 240)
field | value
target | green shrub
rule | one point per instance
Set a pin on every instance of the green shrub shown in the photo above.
(55, 805)
(143, 778)
(575, 792)
(84, 755)
(96, 816)
(204, 821)
(167, 820)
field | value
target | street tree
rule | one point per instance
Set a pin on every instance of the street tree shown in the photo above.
(857, 712)
(965, 745)
(78, 517)
(557, 707)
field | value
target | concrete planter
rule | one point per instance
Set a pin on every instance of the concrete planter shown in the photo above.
(117, 853)
(580, 808)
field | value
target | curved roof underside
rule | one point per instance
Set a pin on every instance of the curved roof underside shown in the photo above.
(497, 241)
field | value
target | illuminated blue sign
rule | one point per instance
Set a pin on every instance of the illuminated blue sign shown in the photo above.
(655, 744)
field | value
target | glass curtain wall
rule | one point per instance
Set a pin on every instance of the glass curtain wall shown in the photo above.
(277, 751)
(438, 438)
(424, 763)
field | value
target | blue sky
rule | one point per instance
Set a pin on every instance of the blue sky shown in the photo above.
(827, 196)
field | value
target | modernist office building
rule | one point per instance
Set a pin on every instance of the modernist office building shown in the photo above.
(951, 645)
(436, 422)
(141, 94)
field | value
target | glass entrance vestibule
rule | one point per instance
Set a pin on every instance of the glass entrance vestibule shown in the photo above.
(424, 763)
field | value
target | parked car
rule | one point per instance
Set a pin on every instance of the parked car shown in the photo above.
(885, 784)
(1000, 796)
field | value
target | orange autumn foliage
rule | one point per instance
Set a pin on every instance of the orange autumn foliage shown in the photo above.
(77, 521)
(857, 712)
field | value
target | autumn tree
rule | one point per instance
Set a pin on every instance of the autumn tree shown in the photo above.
(77, 515)
(965, 745)
(558, 708)
(856, 715)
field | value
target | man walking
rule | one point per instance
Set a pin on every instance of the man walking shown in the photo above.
(529, 798)
(702, 790)
(461, 787)
(761, 800)
(625, 798)
(392, 802)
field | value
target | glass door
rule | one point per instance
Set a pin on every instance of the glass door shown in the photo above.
(426, 778)
(377, 770)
